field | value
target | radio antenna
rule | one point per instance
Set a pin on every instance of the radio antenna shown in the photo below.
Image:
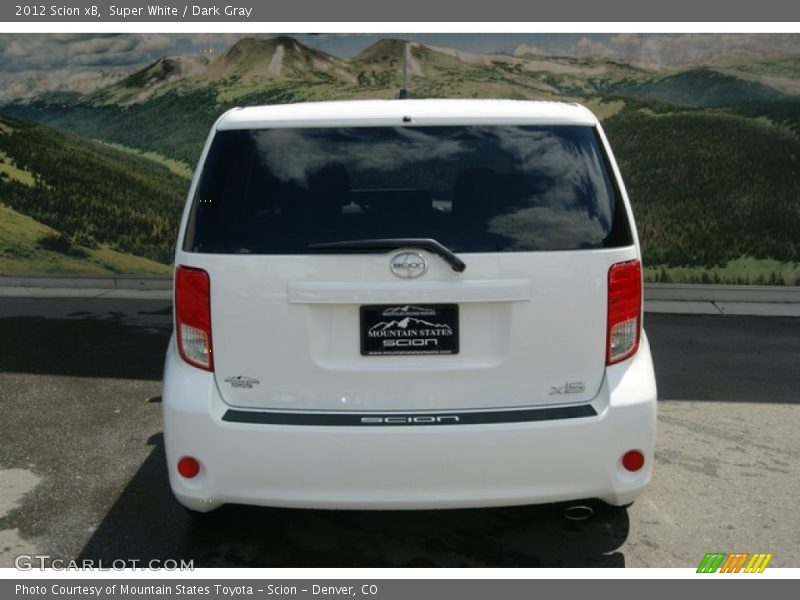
(404, 89)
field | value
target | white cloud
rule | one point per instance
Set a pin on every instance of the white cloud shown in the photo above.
(524, 49)
(32, 83)
(587, 47)
(45, 52)
(687, 48)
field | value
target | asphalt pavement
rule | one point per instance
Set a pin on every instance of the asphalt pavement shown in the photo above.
(83, 473)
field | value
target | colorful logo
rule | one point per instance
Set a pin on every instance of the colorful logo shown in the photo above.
(738, 562)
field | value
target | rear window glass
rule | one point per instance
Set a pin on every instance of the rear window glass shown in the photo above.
(473, 189)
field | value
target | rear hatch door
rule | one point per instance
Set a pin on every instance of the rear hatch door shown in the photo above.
(306, 318)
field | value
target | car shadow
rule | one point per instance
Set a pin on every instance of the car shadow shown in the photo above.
(147, 523)
(105, 345)
(725, 358)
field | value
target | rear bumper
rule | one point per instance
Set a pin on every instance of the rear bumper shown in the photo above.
(402, 467)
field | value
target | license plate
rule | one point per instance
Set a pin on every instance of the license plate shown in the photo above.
(392, 329)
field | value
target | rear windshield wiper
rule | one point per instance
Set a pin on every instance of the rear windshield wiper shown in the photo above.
(432, 245)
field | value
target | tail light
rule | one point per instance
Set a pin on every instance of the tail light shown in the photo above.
(193, 317)
(624, 310)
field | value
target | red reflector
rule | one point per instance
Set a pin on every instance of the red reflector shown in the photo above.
(193, 316)
(624, 311)
(188, 467)
(633, 460)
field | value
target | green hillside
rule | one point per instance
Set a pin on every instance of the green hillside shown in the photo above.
(709, 188)
(696, 88)
(172, 124)
(785, 112)
(93, 194)
(27, 246)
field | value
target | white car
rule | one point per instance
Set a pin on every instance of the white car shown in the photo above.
(401, 304)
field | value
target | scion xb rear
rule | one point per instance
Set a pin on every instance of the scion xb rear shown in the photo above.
(408, 304)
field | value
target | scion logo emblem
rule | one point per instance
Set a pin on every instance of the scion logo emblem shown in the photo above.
(408, 265)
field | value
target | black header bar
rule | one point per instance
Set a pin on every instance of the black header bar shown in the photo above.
(442, 11)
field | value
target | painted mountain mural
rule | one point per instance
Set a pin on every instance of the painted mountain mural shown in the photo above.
(93, 174)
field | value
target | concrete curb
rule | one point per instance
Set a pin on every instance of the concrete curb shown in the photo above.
(721, 293)
(701, 299)
(95, 282)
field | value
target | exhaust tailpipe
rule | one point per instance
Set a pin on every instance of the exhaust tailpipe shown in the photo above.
(578, 512)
